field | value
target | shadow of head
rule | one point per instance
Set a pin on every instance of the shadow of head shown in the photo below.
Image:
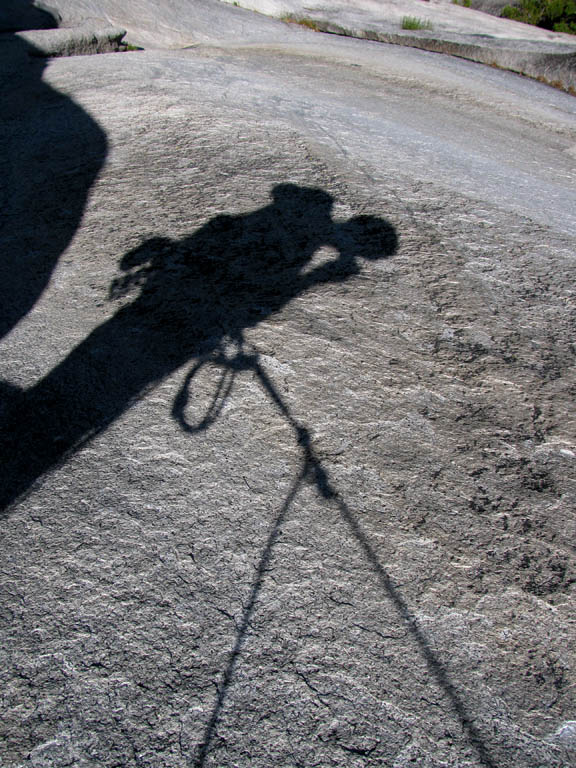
(366, 237)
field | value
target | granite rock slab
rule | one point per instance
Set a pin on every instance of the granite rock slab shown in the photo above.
(287, 411)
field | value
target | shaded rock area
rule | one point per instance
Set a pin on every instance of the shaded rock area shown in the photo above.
(21, 14)
(286, 409)
(34, 29)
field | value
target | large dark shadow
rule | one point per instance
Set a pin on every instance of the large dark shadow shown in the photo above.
(51, 151)
(190, 297)
(189, 302)
(16, 15)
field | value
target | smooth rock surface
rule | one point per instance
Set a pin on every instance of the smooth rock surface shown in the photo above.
(287, 410)
(453, 29)
(177, 23)
(544, 55)
(444, 15)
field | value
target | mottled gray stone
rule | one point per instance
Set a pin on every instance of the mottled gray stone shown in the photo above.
(176, 589)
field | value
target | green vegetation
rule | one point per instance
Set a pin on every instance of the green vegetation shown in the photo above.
(463, 3)
(413, 22)
(556, 15)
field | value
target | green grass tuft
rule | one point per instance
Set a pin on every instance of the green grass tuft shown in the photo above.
(413, 22)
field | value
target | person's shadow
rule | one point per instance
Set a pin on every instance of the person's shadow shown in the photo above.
(51, 152)
(191, 297)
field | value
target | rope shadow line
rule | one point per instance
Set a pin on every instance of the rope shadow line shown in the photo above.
(313, 469)
(242, 631)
